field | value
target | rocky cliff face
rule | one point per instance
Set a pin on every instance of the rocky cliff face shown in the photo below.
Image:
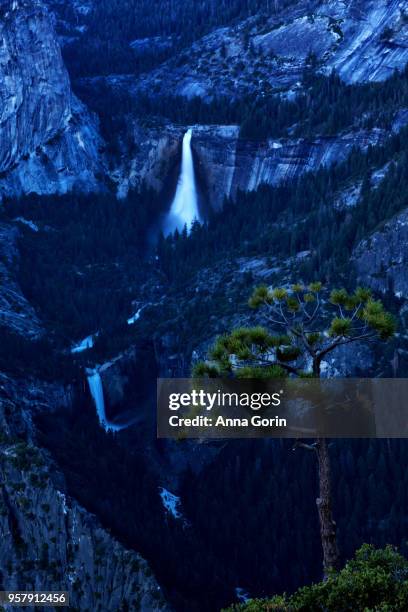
(382, 259)
(48, 542)
(229, 164)
(16, 313)
(30, 51)
(372, 38)
(150, 158)
(225, 163)
(364, 40)
(48, 140)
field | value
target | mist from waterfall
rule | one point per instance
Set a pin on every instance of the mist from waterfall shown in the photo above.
(96, 389)
(184, 209)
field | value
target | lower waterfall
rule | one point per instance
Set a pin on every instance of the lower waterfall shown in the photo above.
(96, 389)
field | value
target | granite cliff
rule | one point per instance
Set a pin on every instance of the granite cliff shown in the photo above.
(16, 313)
(381, 259)
(363, 40)
(228, 163)
(48, 541)
(49, 141)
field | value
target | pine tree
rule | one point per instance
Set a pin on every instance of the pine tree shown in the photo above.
(259, 353)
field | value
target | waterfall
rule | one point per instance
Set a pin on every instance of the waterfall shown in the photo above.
(184, 209)
(84, 345)
(96, 389)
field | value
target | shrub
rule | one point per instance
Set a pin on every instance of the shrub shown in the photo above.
(376, 579)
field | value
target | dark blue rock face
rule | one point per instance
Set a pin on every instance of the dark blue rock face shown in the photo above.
(48, 140)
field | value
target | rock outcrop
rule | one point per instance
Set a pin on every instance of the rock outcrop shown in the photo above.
(150, 158)
(372, 38)
(47, 540)
(16, 313)
(48, 140)
(228, 164)
(363, 40)
(381, 260)
(225, 163)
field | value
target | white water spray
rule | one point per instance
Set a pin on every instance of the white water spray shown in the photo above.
(96, 389)
(84, 345)
(184, 209)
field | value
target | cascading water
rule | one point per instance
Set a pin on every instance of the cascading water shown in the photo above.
(184, 209)
(85, 344)
(96, 389)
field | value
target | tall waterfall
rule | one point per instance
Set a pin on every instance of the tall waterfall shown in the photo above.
(96, 389)
(184, 209)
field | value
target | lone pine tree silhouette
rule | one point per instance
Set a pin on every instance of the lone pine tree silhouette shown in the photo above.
(306, 324)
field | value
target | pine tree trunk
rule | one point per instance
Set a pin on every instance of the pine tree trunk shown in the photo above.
(328, 528)
(324, 506)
